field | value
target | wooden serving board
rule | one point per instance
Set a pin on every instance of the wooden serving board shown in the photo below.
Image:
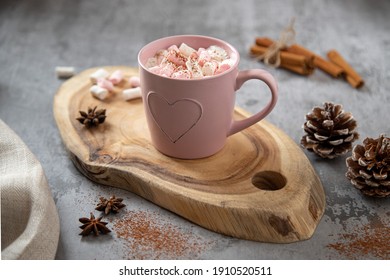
(260, 186)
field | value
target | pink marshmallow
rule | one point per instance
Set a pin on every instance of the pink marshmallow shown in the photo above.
(104, 83)
(134, 81)
(193, 56)
(204, 57)
(222, 68)
(168, 70)
(116, 77)
(176, 58)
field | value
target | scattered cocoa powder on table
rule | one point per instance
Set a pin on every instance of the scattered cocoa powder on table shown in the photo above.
(370, 241)
(147, 235)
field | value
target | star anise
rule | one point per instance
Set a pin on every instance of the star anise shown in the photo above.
(92, 117)
(93, 225)
(110, 205)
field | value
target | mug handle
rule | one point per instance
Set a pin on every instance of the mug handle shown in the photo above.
(269, 80)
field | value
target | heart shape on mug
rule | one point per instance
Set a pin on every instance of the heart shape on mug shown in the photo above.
(176, 118)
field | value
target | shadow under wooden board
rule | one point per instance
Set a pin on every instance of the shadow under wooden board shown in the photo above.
(259, 187)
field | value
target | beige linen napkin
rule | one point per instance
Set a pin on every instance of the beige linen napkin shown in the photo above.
(29, 219)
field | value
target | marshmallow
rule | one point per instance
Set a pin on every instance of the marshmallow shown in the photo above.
(104, 83)
(217, 53)
(194, 68)
(155, 69)
(200, 50)
(229, 62)
(132, 93)
(204, 57)
(116, 77)
(161, 56)
(176, 57)
(209, 68)
(233, 56)
(98, 74)
(99, 92)
(182, 74)
(134, 81)
(184, 62)
(65, 72)
(174, 48)
(186, 50)
(222, 68)
(168, 70)
(151, 62)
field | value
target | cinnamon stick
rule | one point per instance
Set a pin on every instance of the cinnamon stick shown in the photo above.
(290, 61)
(267, 42)
(353, 78)
(326, 66)
(299, 69)
(264, 41)
(285, 57)
(305, 60)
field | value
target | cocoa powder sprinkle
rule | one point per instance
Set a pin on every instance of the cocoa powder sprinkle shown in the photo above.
(147, 235)
(367, 242)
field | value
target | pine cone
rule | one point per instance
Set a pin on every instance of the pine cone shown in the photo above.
(329, 131)
(369, 167)
(93, 117)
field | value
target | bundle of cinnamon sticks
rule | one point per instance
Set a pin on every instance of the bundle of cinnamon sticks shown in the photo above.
(302, 61)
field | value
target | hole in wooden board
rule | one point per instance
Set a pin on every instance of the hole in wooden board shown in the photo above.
(269, 180)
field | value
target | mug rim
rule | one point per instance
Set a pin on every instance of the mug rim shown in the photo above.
(175, 37)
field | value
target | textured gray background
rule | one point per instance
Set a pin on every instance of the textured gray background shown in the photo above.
(36, 36)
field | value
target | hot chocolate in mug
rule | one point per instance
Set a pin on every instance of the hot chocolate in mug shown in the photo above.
(192, 118)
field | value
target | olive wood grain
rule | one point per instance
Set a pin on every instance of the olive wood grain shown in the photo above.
(260, 186)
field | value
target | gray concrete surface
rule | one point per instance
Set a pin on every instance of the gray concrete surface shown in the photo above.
(36, 36)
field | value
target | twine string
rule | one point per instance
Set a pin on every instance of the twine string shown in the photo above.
(287, 37)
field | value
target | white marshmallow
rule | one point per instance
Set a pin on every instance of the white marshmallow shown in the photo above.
(132, 93)
(151, 62)
(155, 69)
(229, 62)
(173, 48)
(217, 53)
(161, 56)
(186, 50)
(65, 72)
(99, 92)
(209, 68)
(182, 74)
(194, 68)
(98, 74)
(233, 56)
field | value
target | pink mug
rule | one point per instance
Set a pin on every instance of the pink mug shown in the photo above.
(192, 119)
